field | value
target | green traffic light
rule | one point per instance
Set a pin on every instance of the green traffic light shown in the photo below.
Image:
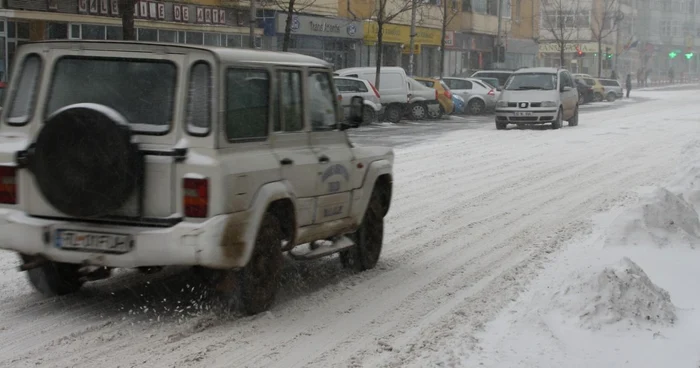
(689, 55)
(672, 54)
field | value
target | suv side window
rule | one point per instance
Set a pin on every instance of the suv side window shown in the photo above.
(291, 112)
(322, 102)
(24, 97)
(199, 99)
(566, 80)
(247, 104)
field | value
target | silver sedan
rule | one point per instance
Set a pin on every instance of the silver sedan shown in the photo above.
(478, 95)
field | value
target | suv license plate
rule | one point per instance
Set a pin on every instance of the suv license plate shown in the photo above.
(94, 242)
(522, 113)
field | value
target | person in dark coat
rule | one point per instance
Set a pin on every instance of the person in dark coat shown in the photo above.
(628, 84)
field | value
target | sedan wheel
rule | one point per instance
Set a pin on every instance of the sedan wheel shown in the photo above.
(476, 107)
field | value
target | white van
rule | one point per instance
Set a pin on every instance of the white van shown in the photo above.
(393, 88)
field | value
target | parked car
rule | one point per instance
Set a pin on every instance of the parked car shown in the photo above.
(444, 93)
(393, 88)
(585, 92)
(460, 105)
(493, 82)
(501, 75)
(183, 185)
(349, 87)
(423, 101)
(613, 89)
(479, 96)
(538, 96)
(598, 89)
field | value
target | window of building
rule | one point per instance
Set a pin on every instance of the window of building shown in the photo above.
(199, 99)
(57, 31)
(167, 36)
(211, 39)
(247, 104)
(322, 102)
(145, 34)
(75, 32)
(290, 92)
(114, 33)
(93, 32)
(195, 38)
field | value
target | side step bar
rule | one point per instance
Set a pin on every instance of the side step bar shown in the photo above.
(318, 251)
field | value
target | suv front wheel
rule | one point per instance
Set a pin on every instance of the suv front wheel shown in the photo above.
(368, 238)
(556, 124)
(574, 119)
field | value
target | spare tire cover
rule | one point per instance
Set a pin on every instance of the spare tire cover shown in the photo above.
(84, 162)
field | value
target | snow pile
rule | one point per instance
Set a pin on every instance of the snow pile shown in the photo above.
(665, 219)
(619, 293)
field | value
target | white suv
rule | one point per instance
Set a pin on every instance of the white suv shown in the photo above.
(538, 96)
(127, 154)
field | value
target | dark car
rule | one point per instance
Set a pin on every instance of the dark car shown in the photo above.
(585, 92)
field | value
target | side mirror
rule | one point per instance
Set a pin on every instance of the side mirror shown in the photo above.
(566, 88)
(355, 119)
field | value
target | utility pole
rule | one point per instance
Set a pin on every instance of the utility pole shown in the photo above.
(253, 21)
(617, 37)
(498, 34)
(412, 43)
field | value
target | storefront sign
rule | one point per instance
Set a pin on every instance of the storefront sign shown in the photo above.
(394, 33)
(588, 47)
(319, 26)
(170, 12)
(450, 39)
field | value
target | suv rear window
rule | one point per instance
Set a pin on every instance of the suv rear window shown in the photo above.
(143, 91)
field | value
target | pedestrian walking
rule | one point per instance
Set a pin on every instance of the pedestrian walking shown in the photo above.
(628, 84)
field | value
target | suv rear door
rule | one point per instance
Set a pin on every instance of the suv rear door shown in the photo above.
(331, 147)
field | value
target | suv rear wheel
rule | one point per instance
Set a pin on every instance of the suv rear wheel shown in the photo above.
(610, 97)
(54, 278)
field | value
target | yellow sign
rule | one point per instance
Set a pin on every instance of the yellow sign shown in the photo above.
(394, 33)
(588, 47)
(407, 49)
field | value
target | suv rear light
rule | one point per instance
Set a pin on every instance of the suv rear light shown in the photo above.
(8, 185)
(196, 197)
(491, 92)
(376, 93)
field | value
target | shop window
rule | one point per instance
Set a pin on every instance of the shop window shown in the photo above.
(11, 30)
(195, 38)
(22, 30)
(75, 31)
(114, 33)
(25, 94)
(211, 39)
(233, 41)
(245, 41)
(167, 36)
(145, 34)
(181, 36)
(247, 104)
(93, 32)
(2, 26)
(57, 31)
(322, 102)
(199, 100)
(291, 113)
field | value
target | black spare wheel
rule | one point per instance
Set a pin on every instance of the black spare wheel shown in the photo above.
(84, 162)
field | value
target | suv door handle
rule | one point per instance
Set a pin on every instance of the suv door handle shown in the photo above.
(323, 158)
(286, 161)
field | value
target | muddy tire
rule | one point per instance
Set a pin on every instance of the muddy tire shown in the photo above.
(259, 279)
(610, 97)
(557, 124)
(54, 278)
(393, 113)
(598, 97)
(501, 126)
(574, 119)
(368, 115)
(476, 107)
(368, 238)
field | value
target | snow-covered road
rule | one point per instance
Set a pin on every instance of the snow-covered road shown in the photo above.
(476, 214)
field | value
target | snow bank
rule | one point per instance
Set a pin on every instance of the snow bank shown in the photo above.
(619, 293)
(665, 219)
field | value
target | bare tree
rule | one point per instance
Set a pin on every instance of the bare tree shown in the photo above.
(448, 11)
(126, 9)
(559, 22)
(385, 12)
(292, 7)
(606, 18)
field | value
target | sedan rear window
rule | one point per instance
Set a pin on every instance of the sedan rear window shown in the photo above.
(143, 91)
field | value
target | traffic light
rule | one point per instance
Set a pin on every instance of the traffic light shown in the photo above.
(579, 53)
(672, 54)
(689, 55)
(609, 56)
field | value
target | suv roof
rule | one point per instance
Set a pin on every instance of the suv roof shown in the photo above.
(221, 53)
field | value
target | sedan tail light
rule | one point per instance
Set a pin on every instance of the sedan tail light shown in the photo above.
(492, 93)
(196, 197)
(376, 93)
(8, 185)
(448, 93)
